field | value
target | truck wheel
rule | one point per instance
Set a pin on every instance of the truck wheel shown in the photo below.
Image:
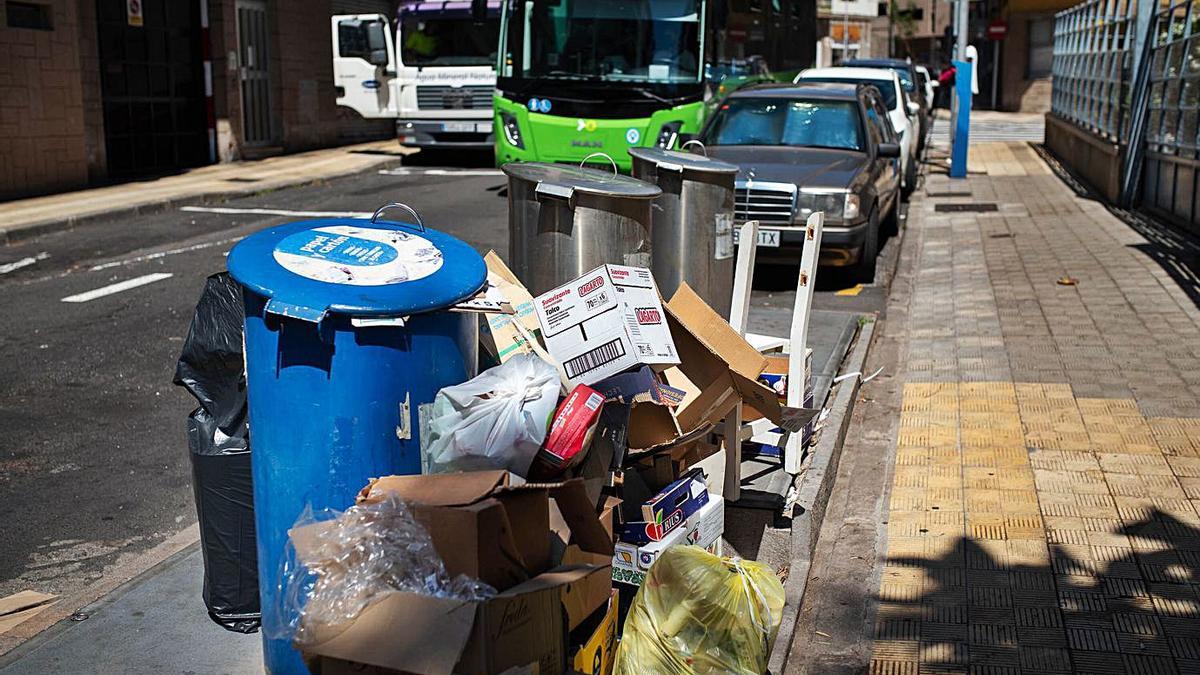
(864, 269)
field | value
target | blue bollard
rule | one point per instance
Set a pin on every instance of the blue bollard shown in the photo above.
(962, 121)
(335, 375)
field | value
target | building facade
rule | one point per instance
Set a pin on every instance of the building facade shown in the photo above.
(98, 91)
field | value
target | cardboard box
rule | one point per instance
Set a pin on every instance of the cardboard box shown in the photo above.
(667, 511)
(704, 529)
(570, 432)
(500, 335)
(599, 650)
(489, 526)
(606, 321)
(489, 523)
(718, 370)
(775, 376)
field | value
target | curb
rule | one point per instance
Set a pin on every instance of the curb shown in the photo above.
(813, 496)
(15, 642)
(17, 233)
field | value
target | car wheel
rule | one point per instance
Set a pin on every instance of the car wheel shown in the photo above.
(864, 269)
(910, 179)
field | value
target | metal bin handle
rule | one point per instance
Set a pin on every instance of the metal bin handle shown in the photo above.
(398, 205)
(605, 155)
(703, 149)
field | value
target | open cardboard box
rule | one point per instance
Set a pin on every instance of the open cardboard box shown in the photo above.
(717, 370)
(488, 523)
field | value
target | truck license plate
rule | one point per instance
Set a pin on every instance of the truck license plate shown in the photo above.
(483, 127)
(765, 237)
(458, 127)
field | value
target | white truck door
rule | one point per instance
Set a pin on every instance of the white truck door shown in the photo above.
(364, 64)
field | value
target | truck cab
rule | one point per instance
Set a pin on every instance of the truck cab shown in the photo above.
(432, 69)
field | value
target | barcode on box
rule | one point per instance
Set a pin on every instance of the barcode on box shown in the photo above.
(593, 359)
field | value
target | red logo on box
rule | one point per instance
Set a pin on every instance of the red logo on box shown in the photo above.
(591, 286)
(648, 315)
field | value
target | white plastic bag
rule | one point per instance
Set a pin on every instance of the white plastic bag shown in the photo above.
(497, 420)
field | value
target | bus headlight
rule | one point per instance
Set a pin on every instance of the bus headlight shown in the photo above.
(512, 131)
(668, 134)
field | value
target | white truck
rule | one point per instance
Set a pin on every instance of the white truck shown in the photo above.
(432, 70)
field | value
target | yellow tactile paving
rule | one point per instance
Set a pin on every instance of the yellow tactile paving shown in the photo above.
(1033, 531)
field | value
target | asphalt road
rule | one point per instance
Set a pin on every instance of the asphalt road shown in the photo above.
(93, 455)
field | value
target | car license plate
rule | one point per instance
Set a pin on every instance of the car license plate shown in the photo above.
(765, 237)
(484, 127)
(458, 127)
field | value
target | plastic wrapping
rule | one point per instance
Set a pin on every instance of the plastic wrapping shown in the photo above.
(700, 613)
(339, 563)
(497, 420)
(224, 496)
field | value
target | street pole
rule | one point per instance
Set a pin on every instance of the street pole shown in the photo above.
(995, 70)
(845, 30)
(960, 29)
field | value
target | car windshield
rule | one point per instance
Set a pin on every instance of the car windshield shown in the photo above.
(447, 41)
(886, 88)
(811, 123)
(612, 40)
(906, 80)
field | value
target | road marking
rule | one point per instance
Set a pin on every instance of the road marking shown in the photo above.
(277, 212)
(118, 287)
(23, 262)
(162, 254)
(404, 171)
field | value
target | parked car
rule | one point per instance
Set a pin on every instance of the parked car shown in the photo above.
(902, 119)
(908, 78)
(927, 84)
(805, 148)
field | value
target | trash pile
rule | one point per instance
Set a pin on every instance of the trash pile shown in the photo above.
(571, 499)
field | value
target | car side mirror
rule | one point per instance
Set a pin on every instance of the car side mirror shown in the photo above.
(913, 107)
(889, 149)
(377, 57)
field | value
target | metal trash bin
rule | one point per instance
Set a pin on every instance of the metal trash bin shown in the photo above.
(566, 220)
(693, 223)
(346, 335)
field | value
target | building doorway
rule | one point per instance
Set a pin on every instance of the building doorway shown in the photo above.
(254, 73)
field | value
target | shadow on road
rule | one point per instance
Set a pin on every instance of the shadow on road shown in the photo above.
(467, 159)
(1122, 600)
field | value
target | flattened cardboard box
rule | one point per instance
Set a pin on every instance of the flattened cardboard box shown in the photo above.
(606, 321)
(500, 335)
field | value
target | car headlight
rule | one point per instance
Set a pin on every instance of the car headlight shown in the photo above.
(668, 134)
(838, 204)
(850, 207)
(512, 130)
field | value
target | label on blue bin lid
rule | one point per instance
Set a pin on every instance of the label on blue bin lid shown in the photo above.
(358, 256)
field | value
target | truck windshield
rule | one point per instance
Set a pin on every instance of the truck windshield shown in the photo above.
(432, 40)
(609, 40)
(791, 122)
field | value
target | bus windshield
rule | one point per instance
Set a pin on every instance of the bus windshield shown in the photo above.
(428, 39)
(608, 40)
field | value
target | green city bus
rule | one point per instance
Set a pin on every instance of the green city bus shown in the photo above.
(578, 77)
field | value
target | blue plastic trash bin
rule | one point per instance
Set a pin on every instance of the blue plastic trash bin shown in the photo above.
(346, 335)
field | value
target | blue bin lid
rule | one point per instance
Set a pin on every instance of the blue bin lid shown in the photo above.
(356, 267)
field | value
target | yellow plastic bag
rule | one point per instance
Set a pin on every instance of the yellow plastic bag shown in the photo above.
(700, 613)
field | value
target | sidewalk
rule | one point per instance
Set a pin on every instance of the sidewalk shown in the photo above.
(1039, 489)
(26, 217)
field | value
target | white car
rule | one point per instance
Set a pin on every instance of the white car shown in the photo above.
(930, 85)
(901, 112)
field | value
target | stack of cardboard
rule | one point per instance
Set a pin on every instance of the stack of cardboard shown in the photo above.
(630, 467)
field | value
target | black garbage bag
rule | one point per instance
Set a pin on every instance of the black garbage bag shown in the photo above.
(212, 370)
(225, 505)
(211, 365)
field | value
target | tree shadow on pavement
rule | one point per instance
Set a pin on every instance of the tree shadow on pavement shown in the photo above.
(1122, 601)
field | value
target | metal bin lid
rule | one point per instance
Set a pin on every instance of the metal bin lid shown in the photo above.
(675, 160)
(564, 180)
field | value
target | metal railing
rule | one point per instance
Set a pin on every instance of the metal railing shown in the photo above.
(1174, 76)
(1093, 59)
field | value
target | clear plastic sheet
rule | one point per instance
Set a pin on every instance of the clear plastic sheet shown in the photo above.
(700, 613)
(339, 563)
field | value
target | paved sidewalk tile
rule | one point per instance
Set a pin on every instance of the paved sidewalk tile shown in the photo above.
(232, 178)
(1043, 511)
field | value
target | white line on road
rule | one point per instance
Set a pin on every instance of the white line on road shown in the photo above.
(162, 254)
(403, 171)
(118, 287)
(277, 212)
(23, 262)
